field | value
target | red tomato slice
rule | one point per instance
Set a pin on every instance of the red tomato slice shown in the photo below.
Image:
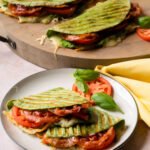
(16, 113)
(33, 119)
(20, 10)
(98, 142)
(88, 38)
(96, 86)
(67, 11)
(144, 34)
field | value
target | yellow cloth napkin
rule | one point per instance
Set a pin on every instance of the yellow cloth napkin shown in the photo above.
(135, 75)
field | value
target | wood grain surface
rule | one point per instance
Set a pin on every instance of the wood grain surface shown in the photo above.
(25, 36)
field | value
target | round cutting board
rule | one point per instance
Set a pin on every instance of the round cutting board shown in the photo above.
(25, 35)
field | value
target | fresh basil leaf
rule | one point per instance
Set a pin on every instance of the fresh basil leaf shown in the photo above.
(81, 84)
(10, 104)
(86, 74)
(144, 21)
(106, 102)
(50, 33)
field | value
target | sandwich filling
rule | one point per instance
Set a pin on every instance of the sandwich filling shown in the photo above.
(20, 10)
(38, 118)
(39, 11)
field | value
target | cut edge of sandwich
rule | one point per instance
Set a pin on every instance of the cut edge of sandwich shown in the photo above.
(26, 130)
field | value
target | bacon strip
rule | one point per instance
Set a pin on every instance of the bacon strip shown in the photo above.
(40, 116)
(75, 110)
(60, 143)
(19, 10)
(33, 119)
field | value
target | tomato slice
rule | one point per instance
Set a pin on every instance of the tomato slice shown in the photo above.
(144, 34)
(20, 10)
(98, 142)
(66, 11)
(16, 113)
(96, 86)
(88, 38)
(33, 119)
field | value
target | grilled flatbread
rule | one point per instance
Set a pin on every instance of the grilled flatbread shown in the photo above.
(103, 122)
(105, 24)
(100, 17)
(56, 104)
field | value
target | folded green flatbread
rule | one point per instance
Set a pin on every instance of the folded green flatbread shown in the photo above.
(55, 98)
(103, 122)
(105, 24)
(32, 3)
(57, 103)
(102, 16)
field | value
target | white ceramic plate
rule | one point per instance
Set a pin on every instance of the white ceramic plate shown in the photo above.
(63, 78)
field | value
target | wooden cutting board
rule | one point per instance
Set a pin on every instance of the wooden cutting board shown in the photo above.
(25, 35)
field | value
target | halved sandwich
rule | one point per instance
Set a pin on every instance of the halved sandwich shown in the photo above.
(56, 107)
(39, 10)
(96, 136)
(105, 24)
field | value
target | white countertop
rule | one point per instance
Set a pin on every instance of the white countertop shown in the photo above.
(14, 68)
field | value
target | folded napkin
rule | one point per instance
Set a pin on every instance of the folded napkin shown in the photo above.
(135, 75)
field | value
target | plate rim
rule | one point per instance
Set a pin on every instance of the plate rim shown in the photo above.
(34, 74)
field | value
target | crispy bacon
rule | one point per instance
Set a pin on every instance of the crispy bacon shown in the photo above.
(98, 141)
(135, 11)
(88, 38)
(19, 10)
(66, 111)
(60, 143)
(64, 11)
(83, 115)
(40, 116)
(33, 119)
(72, 110)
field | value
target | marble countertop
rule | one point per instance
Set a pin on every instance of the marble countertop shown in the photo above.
(14, 68)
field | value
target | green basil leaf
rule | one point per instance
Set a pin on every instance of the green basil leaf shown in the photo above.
(86, 74)
(106, 102)
(81, 84)
(144, 21)
(10, 104)
(51, 33)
